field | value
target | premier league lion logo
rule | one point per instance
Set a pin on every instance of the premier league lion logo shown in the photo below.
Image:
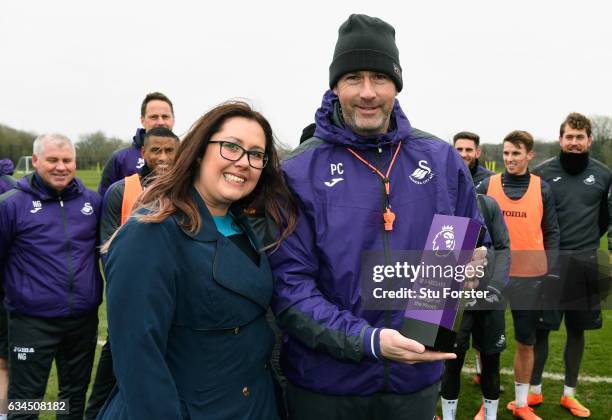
(444, 241)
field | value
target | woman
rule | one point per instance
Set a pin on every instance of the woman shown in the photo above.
(188, 286)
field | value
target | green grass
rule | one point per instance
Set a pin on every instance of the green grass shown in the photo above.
(90, 178)
(596, 362)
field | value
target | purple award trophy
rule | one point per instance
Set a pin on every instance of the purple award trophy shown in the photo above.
(433, 316)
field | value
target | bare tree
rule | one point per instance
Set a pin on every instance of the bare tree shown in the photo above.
(94, 149)
(601, 127)
(602, 138)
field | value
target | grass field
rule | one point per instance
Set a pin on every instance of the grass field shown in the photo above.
(597, 362)
(594, 395)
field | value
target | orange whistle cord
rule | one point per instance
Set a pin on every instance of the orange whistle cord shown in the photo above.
(384, 177)
(388, 215)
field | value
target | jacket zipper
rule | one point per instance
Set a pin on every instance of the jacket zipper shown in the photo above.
(385, 240)
(68, 256)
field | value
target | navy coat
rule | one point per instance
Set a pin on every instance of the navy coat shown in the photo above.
(187, 325)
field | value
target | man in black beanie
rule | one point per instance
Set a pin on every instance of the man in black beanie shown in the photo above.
(366, 181)
(366, 43)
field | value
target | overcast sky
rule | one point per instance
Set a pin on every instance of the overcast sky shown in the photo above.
(80, 66)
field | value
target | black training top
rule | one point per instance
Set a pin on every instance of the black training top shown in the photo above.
(583, 202)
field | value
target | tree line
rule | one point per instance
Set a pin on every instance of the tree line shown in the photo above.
(94, 149)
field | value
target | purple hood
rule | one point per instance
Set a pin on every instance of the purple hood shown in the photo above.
(6, 180)
(122, 163)
(6, 167)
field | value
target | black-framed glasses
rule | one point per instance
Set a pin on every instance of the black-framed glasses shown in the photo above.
(234, 152)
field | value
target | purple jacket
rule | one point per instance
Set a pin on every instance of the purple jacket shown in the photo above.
(122, 163)
(329, 344)
(6, 180)
(48, 258)
(6, 183)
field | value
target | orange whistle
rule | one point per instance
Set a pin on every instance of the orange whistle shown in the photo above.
(389, 218)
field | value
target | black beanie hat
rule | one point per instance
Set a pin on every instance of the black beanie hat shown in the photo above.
(366, 43)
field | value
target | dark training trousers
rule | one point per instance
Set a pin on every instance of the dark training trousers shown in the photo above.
(34, 343)
(104, 383)
(3, 330)
(308, 405)
(572, 356)
(489, 378)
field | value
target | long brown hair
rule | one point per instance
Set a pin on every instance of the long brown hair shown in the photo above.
(170, 192)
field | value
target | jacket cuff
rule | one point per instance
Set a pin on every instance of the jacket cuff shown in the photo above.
(371, 343)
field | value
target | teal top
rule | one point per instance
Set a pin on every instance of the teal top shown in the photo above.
(227, 226)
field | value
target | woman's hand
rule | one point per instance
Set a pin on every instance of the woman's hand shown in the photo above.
(394, 346)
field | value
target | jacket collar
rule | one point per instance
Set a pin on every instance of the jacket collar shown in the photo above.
(475, 168)
(208, 230)
(33, 184)
(146, 175)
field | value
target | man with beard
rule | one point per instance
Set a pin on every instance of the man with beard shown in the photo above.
(468, 146)
(580, 185)
(366, 181)
(156, 110)
(483, 319)
(158, 151)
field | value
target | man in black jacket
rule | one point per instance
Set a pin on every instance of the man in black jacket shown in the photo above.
(581, 186)
(485, 319)
(468, 146)
(158, 151)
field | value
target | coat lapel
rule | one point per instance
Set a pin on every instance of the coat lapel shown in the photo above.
(232, 269)
(235, 271)
(208, 231)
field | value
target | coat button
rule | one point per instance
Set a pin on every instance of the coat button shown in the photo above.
(246, 391)
(236, 330)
